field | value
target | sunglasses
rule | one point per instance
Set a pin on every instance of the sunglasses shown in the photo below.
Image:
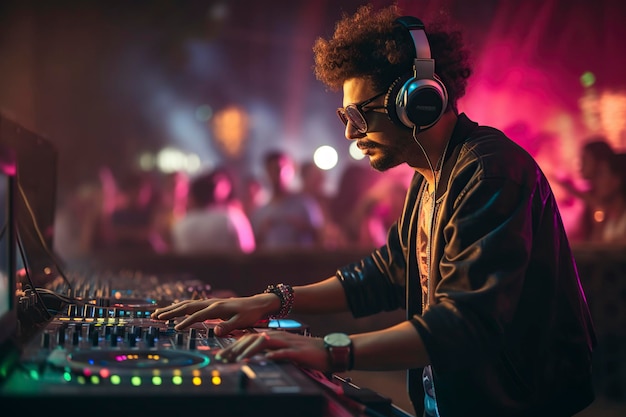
(355, 114)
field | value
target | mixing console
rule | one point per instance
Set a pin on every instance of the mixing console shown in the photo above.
(105, 355)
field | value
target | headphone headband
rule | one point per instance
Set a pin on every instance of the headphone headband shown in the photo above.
(415, 28)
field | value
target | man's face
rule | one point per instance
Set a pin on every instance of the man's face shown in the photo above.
(384, 143)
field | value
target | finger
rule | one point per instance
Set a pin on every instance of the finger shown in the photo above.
(245, 347)
(210, 311)
(161, 310)
(178, 311)
(231, 352)
(263, 342)
(173, 310)
(196, 317)
(260, 343)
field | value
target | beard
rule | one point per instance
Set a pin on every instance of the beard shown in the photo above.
(383, 163)
(383, 157)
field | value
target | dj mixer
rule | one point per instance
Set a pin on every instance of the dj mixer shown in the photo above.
(102, 354)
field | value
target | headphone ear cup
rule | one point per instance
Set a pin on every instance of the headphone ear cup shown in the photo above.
(426, 101)
(418, 102)
(391, 98)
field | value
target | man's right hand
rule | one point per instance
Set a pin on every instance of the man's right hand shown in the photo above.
(236, 313)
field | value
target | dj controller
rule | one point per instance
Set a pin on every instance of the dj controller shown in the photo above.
(102, 354)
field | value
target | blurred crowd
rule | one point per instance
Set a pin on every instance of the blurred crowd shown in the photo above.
(288, 206)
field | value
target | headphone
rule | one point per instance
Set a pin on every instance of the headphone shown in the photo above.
(417, 100)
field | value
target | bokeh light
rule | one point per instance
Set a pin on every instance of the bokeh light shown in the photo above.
(204, 113)
(170, 160)
(587, 79)
(325, 157)
(355, 152)
(230, 127)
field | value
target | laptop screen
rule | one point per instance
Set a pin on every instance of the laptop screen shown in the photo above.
(35, 192)
(9, 343)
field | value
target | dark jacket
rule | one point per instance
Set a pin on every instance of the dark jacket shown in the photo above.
(508, 330)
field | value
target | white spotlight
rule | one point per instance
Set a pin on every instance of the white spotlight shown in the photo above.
(355, 152)
(325, 157)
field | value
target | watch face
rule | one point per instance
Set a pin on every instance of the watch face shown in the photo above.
(337, 339)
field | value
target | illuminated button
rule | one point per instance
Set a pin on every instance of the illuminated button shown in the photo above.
(72, 309)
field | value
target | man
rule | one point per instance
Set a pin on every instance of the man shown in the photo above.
(497, 323)
(214, 220)
(288, 219)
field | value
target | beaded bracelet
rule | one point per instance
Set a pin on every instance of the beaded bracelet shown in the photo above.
(285, 294)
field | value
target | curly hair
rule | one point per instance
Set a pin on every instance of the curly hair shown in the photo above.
(368, 44)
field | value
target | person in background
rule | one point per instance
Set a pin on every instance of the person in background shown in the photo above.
(350, 206)
(313, 181)
(253, 195)
(130, 224)
(214, 220)
(171, 206)
(288, 219)
(609, 204)
(496, 319)
(595, 156)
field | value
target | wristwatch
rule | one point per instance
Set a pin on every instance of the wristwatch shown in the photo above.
(339, 348)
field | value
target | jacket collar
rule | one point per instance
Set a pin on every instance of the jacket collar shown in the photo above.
(462, 130)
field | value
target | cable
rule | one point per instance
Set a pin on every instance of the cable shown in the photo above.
(61, 297)
(20, 248)
(436, 171)
(42, 240)
(39, 304)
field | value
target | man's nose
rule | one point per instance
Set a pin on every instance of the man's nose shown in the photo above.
(352, 133)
